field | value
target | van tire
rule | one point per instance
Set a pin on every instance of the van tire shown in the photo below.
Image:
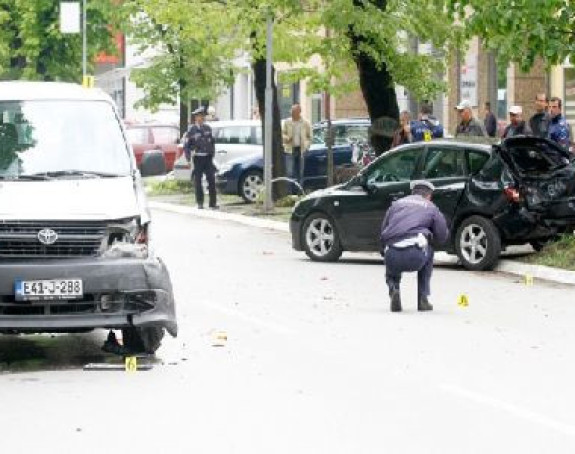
(142, 339)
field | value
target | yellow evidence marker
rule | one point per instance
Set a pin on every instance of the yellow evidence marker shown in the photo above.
(528, 279)
(220, 338)
(463, 301)
(131, 363)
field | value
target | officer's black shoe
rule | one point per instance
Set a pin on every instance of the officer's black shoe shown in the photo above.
(395, 297)
(423, 304)
(214, 207)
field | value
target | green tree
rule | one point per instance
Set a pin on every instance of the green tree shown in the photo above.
(186, 59)
(522, 30)
(32, 46)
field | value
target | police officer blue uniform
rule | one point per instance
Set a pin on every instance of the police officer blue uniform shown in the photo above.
(409, 227)
(199, 146)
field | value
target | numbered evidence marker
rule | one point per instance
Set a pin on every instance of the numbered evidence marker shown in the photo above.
(528, 279)
(220, 338)
(131, 363)
(463, 301)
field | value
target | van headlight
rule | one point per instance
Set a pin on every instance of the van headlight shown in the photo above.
(131, 231)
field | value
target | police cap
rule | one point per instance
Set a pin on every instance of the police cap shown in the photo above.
(199, 111)
(422, 184)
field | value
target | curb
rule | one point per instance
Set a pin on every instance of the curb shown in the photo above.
(547, 273)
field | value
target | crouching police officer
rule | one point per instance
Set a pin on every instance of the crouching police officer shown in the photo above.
(409, 226)
(199, 146)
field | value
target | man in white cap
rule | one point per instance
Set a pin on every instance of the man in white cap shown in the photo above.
(409, 226)
(468, 126)
(516, 126)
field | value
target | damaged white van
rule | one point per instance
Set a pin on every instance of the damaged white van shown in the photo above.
(74, 223)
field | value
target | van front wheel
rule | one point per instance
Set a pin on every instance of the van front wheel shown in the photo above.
(142, 339)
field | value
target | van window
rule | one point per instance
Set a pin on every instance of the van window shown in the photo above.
(232, 134)
(165, 134)
(81, 136)
(137, 136)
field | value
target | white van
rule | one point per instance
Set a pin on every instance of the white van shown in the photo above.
(74, 223)
(234, 139)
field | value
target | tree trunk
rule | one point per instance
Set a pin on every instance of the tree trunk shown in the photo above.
(378, 89)
(280, 189)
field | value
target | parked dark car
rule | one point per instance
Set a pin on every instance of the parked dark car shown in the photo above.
(244, 176)
(520, 191)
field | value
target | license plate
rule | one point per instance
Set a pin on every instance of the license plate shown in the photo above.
(57, 289)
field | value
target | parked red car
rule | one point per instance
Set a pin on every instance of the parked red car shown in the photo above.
(154, 136)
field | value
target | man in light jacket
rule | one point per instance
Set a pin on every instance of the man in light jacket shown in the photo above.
(296, 136)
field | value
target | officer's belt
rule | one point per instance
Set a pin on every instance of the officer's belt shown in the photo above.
(420, 241)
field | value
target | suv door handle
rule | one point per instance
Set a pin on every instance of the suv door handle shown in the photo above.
(222, 151)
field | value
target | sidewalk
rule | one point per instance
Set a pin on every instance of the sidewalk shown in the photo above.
(505, 266)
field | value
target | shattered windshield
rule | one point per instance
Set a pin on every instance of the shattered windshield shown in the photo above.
(55, 138)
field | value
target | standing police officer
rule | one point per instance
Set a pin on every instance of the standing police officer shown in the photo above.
(409, 226)
(200, 146)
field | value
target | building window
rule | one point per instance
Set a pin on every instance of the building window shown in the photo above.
(569, 104)
(316, 108)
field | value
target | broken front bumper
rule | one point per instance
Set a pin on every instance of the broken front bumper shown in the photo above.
(117, 293)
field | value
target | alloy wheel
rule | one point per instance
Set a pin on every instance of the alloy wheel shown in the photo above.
(320, 237)
(474, 243)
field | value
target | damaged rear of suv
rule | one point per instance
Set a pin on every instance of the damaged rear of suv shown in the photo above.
(74, 223)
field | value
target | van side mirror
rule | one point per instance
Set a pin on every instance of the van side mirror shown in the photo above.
(153, 163)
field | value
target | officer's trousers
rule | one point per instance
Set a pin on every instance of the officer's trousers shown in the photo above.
(409, 259)
(203, 165)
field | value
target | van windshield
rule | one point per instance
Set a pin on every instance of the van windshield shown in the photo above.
(72, 138)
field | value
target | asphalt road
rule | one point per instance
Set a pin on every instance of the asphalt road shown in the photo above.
(314, 362)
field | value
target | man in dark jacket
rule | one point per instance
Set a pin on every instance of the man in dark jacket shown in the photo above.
(490, 122)
(409, 226)
(539, 122)
(427, 127)
(200, 146)
(516, 126)
(468, 126)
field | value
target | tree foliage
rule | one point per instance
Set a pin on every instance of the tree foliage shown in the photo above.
(521, 30)
(32, 47)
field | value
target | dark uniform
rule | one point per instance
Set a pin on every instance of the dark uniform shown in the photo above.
(409, 226)
(199, 146)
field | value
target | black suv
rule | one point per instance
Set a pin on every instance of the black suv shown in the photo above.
(520, 191)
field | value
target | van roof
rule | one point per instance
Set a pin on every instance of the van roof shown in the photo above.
(27, 91)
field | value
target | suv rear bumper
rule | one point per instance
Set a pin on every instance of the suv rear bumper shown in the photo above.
(118, 293)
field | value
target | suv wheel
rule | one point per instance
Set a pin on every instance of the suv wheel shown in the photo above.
(143, 339)
(251, 184)
(478, 243)
(320, 239)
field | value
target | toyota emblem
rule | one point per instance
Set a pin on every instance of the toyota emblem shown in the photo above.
(47, 236)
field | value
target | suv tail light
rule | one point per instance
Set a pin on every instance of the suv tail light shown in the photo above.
(512, 194)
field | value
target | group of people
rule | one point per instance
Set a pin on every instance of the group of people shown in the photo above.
(547, 121)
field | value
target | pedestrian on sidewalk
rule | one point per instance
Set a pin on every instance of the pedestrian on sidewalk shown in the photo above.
(296, 136)
(427, 126)
(490, 121)
(402, 134)
(558, 126)
(539, 122)
(200, 147)
(516, 126)
(468, 126)
(409, 227)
